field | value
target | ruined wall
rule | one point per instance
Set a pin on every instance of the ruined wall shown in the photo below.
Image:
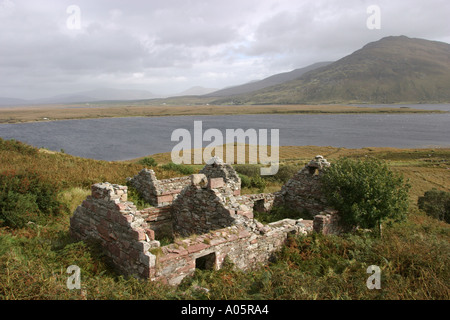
(127, 236)
(107, 217)
(159, 220)
(303, 191)
(329, 222)
(207, 204)
(246, 246)
(261, 202)
(216, 168)
(157, 192)
(208, 210)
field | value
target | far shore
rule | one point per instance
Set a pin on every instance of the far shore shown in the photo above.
(92, 111)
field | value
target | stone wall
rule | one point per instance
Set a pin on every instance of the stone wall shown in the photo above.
(159, 220)
(121, 230)
(208, 211)
(205, 205)
(216, 168)
(246, 246)
(261, 202)
(302, 193)
(127, 236)
(328, 222)
(157, 192)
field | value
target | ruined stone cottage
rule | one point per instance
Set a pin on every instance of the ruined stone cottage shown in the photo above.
(209, 217)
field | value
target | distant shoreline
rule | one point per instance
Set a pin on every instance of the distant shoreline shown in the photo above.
(94, 111)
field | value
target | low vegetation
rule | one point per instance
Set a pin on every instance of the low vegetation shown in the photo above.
(176, 108)
(436, 204)
(412, 253)
(148, 162)
(365, 192)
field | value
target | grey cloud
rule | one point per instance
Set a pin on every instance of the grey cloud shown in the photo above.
(175, 44)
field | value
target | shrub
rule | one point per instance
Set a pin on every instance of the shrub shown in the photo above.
(259, 183)
(134, 196)
(248, 169)
(27, 197)
(286, 172)
(183, 169)
(149, 162)
(365, 192)
(246, 182)
(436, 204)
(253, 182)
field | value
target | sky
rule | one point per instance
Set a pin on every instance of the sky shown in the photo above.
(57, 47)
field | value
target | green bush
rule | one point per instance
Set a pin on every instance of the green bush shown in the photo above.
(286, 172)
(365, 192)
(248, 170)
(259, 183)
(25, 197)
(17, 146)
(246, 182)
(134, 196)
(149, 162)
(183, 169)
(253, 182)
(436, 204)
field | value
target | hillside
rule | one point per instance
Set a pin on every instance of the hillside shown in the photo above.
(391, 70)
(195, 91)
(267, 82)
(12, 101)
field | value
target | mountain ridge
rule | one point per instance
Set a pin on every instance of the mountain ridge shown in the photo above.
(266, 82)
(391, 70)
(394, 69)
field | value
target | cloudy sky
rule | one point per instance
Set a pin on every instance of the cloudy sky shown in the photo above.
(167, 46)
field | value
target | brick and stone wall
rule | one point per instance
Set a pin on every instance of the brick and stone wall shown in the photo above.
(246, 246)
(216, 168)
(157, 192)
(205, 205)
(261, 202)
(329, 222)
(207, 211)
(127, 236)
(302, 193)
(121, 230)
(159, 220)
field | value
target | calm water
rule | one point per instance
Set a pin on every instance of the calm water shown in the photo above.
(128, 138)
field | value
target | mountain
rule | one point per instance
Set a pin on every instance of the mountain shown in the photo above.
(4, 101)
(267, 82)
(100, 94)
(391, 70)
(196, 91)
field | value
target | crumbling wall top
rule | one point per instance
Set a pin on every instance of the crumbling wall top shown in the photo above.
(216, 168)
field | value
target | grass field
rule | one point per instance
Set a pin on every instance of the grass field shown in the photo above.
(413, 255)
(109, 110)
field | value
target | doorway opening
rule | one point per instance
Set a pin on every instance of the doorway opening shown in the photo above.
(206, 262)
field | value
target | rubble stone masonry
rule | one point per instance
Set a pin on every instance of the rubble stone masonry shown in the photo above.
(206, 215)
(302, 193)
